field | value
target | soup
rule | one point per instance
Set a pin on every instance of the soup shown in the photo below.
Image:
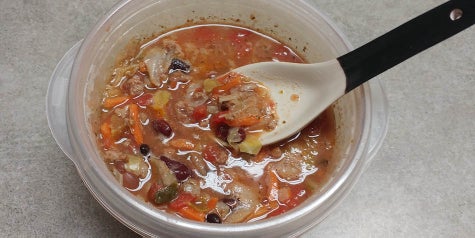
(181, 134)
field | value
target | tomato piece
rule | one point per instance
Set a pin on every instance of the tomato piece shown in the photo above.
(183, 199)
(218, 118)
(144, 100)
(152, 191)
(215, 154)
(200, 112)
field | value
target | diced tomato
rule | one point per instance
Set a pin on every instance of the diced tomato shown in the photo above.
(183, 199)
(152, 191)
(145, 99)
(200, 112)
(218, 118)
(214, 154)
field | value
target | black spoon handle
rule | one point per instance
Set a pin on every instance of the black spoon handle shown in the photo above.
(405, 41)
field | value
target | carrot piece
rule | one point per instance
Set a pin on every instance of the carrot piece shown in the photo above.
(112, 102)
(244, 121)
(272, 186)
(212, 203)
(106, 132)
(136, 129)
(233, 82)
(182, 144)
(192, 214)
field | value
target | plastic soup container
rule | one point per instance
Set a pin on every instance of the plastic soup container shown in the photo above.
(81, 75)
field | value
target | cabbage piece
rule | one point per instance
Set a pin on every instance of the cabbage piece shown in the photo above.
(157, 61)
(251, 145)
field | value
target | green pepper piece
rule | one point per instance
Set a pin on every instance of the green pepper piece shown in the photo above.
(166, 194)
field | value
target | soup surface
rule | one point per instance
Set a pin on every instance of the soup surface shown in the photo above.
(182, 136)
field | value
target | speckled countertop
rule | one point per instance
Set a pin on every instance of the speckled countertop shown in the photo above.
(421, 183)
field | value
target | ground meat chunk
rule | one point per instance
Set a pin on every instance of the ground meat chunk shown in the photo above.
(113, 155)
(134, 86)
(290, 167)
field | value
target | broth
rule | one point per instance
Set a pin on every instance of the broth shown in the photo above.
(177, 134)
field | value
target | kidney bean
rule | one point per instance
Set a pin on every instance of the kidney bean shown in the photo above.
(161, 126)
(180, 170)
(120, 166)
(222, 131)
(130, 181)
(236, 135)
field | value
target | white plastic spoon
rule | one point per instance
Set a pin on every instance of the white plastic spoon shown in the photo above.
(303, 91)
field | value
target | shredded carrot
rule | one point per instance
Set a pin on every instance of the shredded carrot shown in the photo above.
(192, 214)
(106, 132)
(244, 121)
(112, 102)
(182, 144)
(137, 125)
(212, 203)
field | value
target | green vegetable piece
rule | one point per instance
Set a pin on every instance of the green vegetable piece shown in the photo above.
(166, 194)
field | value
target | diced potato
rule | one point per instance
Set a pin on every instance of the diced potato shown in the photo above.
(210, 84)
(160, 99)
(137, 166)
(167, 176)
(251, 145)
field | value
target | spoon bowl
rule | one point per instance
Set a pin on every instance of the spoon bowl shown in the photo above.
(312, 89)
(302, 91)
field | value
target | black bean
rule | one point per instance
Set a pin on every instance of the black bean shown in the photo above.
(144, 149)
(213, 218)
(161, 126)
(180, 170)
(222, 131)
(180, 65)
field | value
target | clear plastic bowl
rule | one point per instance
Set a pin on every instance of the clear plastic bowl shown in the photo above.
(81, 74)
